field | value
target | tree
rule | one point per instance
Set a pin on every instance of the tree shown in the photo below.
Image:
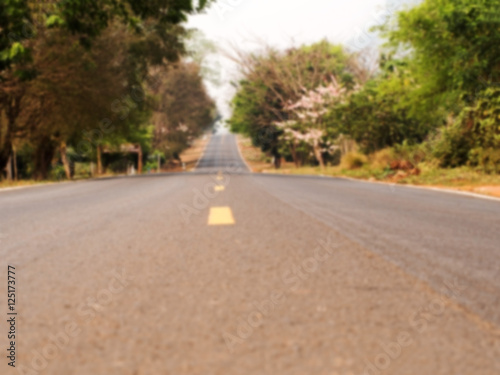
(273, 80)
(380, 114)
(453, 43)
(154, 38)
(182, 108)
(73, 91)
(453, 49)
(309, 111)
(14, 18)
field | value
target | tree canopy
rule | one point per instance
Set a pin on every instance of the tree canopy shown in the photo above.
(437, 84)
(75, 76)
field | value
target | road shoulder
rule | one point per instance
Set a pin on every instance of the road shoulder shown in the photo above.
(259, 163)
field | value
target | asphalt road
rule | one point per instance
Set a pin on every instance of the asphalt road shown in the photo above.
(220, 271)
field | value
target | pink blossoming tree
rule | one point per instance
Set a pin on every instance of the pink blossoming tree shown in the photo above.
(307, 118)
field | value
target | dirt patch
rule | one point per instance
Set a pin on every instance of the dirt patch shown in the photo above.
(257, 160)
(493, 191)
(190, 156)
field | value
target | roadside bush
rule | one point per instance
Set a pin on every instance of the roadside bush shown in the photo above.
(333, 158)
(150, 166)
(474, 137)
(82, 170)
(488, 159)
(382, 159)
(119, 165)
(57, 172)
(353, 160)
(451, 146)
(413, 153)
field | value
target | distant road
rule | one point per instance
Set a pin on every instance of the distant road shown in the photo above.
(221, 271)
(221, 154)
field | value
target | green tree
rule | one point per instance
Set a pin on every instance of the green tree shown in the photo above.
(380, 114)
(273, 80)
(69, 70)
(455, 61)
(182, 107)
(454, 44)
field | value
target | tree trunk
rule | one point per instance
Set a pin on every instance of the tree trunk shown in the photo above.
(277, 159)
(293, 151)
(14, 157)
(319, 156)
(44, 154)
(65, 161)
(5, 153)
(8, 169)
(139, 160)
(99, 160)
(12, 107)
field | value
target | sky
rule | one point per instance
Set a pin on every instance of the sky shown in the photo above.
(248, 24)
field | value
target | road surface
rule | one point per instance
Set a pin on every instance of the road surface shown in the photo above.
(220, 271)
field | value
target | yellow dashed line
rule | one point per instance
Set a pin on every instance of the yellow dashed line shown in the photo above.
(219, 188)
(220, 216)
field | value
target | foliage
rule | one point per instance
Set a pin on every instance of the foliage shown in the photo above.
(182, 108)
(273, 80)
(379, 115)
(434, 96)
(308, 126)
(474, 137)
(453, 49)
(353, 160)
(14, 18)
(77, 75)
(453, 43)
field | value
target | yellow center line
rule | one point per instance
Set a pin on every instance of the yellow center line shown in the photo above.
(220, 216)
(219, 188)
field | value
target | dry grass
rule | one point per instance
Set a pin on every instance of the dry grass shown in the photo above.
(191, 155)
(464, 179)
(20, 183)
(353, 160)
(257, 160)
(375, 169)
(254, 157)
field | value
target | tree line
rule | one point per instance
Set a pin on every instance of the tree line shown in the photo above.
(433, 94)
(83, 81)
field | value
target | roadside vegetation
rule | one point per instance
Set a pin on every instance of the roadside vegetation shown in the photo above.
(427, 112)
(94, 88)
(376, 168)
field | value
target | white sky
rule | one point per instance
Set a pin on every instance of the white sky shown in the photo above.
(283, 23)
